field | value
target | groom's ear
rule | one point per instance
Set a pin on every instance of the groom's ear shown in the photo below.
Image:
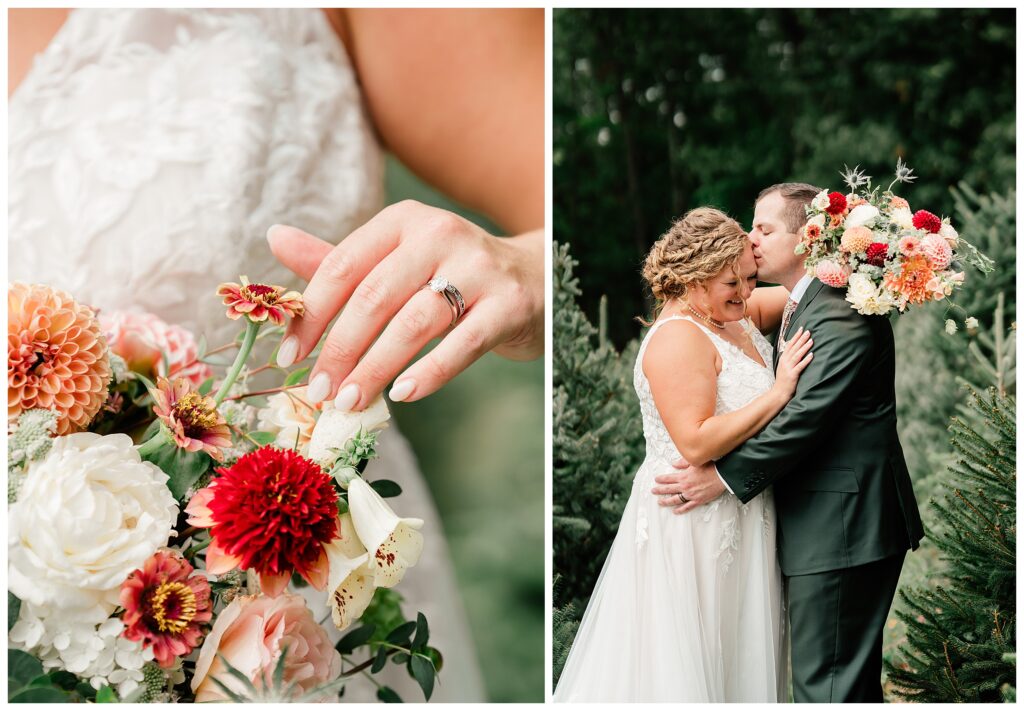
(299, 251)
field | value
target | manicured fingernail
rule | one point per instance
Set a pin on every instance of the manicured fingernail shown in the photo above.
(402, 389)
(272, 229)
(288, 351)
(348, 396)
(319, 387)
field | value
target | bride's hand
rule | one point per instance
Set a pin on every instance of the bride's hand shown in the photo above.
(378, 273)
(792, 362)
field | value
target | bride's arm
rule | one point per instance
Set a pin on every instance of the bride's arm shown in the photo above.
(765, 307)
(680, 365)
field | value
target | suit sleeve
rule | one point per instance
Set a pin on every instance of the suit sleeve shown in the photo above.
(842, 344)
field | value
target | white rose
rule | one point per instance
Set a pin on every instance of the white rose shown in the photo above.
(862, 215)
(87, 515)
(290, 417)
(818, 220)
(867, 298)
(820, 201)
(336, 427)
(901, 216)
(949, 233)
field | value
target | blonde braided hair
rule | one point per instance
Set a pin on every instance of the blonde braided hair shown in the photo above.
(695, 249)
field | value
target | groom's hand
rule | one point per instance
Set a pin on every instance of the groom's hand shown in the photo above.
(698, 484)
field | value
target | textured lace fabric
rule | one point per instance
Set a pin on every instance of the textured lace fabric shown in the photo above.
(150, 150)
(687, 607)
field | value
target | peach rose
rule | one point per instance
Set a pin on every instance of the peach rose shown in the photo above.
(143, 340)
(251, 633)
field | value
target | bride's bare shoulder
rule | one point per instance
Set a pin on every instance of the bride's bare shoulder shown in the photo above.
(677, 345)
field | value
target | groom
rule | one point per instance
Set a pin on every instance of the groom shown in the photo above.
(845, 507)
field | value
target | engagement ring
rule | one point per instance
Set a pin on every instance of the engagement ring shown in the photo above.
(440, 285)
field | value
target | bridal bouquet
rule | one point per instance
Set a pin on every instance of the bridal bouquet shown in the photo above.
(160, 571)
(886, 255)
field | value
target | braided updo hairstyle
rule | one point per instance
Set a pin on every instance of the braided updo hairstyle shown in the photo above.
(695, 249)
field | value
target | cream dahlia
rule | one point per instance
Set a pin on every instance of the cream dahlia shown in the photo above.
(260, 302)
(56, 356)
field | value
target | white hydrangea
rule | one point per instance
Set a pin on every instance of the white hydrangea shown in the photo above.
(91, 649)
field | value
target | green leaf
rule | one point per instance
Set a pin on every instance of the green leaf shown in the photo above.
(183, 468)
(400, 658)
(41, 681)
(38, 695)
(386, 488)
(380, 660)
(401, 634)
(22, 667)
(206, 386)
(106, 695)
(64, 680)
(423, 671)
(263, 438)
(388, 695)
(13, 609)
(422, 632)
(296, 376)
(151, 431)
(355, 638)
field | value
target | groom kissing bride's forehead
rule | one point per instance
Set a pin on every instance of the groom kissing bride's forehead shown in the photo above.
(846, 510)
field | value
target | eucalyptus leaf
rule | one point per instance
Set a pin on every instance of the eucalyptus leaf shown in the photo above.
(380, 660)
(388, 695)
(386, 488)
(423, 671)
(355, 638)
(422, 632)
(401, 634)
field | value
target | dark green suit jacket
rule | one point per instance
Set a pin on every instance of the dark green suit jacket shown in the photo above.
(842, 490)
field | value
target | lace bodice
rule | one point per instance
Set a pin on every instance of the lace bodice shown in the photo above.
(740, 381)
(150, 150)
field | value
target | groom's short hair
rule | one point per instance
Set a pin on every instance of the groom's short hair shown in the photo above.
(797, 196)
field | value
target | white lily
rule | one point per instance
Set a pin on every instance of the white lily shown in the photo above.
(351, 576)
(393, 543)
(336, 427)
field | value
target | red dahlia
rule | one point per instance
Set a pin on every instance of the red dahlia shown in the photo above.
(836, 203)
(924, 220)
(876, 253)
(165, 606)
(272, 510)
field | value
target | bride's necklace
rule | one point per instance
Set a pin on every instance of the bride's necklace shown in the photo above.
(706, 319)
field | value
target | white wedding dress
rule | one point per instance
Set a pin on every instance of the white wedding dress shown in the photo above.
(687, 607)
(150, 150)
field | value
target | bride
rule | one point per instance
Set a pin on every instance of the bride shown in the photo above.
(690, 608)
(150, 151)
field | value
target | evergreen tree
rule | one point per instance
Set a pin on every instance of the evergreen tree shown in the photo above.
(960, 631)
(597, 438)
(564, 623)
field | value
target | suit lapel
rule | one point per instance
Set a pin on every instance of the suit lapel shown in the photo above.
(813, 289)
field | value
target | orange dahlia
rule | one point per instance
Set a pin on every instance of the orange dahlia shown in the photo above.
(56, 356)
(259, 302)
(911, 281)
(166, 606)
(192, 419)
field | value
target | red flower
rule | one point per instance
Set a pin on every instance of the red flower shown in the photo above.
(924, 220)
(259, 302)
(876, 252)
(192, 419)
(272, 510)
(166, 606)
(836, 203)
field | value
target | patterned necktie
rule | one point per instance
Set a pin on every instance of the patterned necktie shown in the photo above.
(787, 314)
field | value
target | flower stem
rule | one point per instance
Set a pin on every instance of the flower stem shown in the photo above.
(251, 329)
(197, 547)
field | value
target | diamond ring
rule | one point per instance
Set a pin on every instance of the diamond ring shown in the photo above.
(440, 285)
